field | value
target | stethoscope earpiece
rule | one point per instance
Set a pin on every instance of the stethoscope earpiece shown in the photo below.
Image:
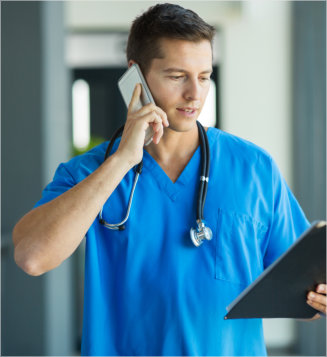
(200, 233)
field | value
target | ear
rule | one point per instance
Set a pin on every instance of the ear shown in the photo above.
(130, 63)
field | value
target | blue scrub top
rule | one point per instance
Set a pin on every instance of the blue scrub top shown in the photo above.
(148, 289)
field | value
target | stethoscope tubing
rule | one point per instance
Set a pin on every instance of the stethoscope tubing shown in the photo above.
(120, 225)
(204, 177)
(138, 170)
(207, 171)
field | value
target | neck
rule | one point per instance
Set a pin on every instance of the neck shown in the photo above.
(175, 145)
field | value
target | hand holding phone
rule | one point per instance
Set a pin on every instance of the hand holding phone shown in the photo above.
(127, 85)
(144, 122)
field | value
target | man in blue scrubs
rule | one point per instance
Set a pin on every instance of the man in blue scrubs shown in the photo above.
(148, 289)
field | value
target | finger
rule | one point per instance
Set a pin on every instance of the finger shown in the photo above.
(163, 116)
(156, 127)
(152, 107)
(322, 289)
(321, 299)
(151, 118)
(158, 134)
(148, 108)
(316, 316)
(135, 98)
(316, 305)
(157, 124)
(157, 131)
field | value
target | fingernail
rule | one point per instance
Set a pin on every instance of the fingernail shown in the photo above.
(320, 288)
(311, 296)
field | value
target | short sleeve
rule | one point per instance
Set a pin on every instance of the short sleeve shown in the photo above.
(288, 220)
(62, 182)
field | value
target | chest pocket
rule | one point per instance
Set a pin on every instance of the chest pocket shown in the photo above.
(239, 246)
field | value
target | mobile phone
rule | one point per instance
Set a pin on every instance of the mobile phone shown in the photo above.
(126, 85)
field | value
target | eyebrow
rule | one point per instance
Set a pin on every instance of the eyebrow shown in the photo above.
(171, 70)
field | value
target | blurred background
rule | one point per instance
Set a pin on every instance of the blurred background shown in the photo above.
(60, 62)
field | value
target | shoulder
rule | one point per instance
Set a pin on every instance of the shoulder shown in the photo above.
(231, 147)
(82, 165)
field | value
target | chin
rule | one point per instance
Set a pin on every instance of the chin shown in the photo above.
(182, 126)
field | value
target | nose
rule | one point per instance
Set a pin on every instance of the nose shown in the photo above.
(192, 90)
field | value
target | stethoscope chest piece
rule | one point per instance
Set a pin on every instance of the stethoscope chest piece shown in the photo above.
(198, 235)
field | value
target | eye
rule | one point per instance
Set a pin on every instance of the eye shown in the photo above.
(176, 78)
(205, 79)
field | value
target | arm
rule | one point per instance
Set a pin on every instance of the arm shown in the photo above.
(289, 222)
(49, 234)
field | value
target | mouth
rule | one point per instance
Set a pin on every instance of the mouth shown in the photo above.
(188, 111)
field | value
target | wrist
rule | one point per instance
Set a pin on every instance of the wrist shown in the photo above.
(122, 161)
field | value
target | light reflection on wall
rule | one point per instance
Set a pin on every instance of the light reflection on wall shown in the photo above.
(208, 113)
(81, 114)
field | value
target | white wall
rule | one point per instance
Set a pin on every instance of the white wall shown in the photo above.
(120, 14)
(256, 79)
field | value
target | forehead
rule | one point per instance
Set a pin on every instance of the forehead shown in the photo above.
(184, 54)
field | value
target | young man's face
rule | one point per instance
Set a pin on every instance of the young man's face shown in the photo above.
(180, 81)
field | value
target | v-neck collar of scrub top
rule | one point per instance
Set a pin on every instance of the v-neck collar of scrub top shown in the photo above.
(171, 188)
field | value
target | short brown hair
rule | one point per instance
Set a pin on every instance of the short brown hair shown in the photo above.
(164, 21)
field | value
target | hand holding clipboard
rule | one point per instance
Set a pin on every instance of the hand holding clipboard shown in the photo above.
(281, 290)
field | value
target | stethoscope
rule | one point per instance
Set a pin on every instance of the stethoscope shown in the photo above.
(197, 234)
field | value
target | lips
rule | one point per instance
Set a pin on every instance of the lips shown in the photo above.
(188, 110)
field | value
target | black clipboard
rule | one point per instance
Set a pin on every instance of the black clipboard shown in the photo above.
(280, 291)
